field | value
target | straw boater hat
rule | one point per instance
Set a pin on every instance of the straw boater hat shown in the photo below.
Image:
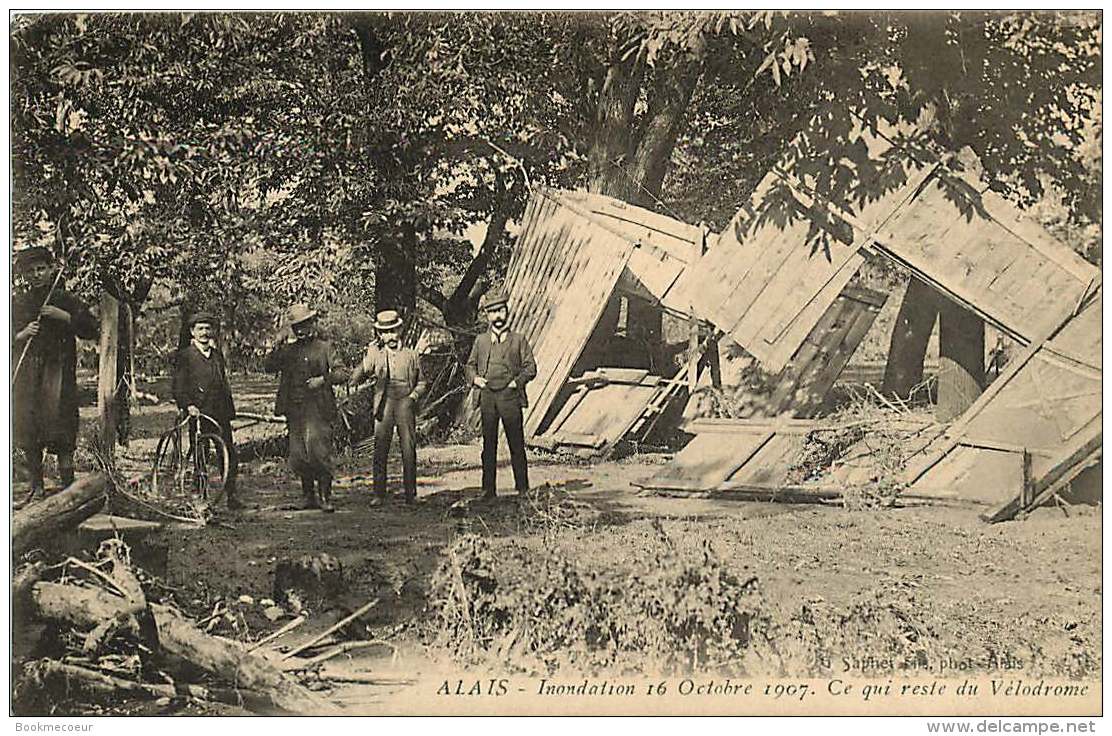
(387, 320)
(493, 298)
(299, 313)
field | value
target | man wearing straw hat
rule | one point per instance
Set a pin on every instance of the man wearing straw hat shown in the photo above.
(399, 385)
(46, 321)
(500, 365)
(305, 397)
(201, 387)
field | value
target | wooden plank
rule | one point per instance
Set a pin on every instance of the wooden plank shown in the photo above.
(623, 375)
(565, 411)
(748, 426)
(983, 476)
(706, 461)
(772, 462)
(575, 312)
(577, 438)
(830, 329)
(552, 301)
(781, 316)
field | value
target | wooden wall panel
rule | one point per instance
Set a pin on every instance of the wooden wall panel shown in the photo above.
(562, 273)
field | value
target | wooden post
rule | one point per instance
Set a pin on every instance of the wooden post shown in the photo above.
(1027, 494)
(714, 362)
(693, 352)
(108, 373)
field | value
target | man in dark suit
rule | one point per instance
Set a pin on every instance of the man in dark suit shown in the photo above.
(306, 398)
(201, 387)
(500, 365)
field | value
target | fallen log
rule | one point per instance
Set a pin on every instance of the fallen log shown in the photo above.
(64, 510)
(53, 676)
(24, 578)
(226, 660)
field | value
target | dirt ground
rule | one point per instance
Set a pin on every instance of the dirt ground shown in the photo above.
(1026, 591)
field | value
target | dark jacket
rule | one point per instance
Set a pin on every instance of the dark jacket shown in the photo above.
(203, 382)
(518, 354)
(44, 393)
(298, 362)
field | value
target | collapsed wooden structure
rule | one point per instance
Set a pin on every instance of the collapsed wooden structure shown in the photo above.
(592, 278)
(763, 284)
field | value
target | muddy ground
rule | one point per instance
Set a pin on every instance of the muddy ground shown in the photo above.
(882, 582)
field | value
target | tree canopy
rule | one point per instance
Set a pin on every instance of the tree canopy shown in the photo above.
(346, 158)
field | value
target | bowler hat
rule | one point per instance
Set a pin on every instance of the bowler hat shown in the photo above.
(299, 313)
(25, 258)
(493, 298)
(387, 320)
(199, 317)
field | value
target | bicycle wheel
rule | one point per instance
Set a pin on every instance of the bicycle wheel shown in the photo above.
(168, 473)
(210, 467)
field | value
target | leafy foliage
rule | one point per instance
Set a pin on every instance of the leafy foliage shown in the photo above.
(254, 159)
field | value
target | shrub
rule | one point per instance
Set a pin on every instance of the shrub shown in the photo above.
(545, 613)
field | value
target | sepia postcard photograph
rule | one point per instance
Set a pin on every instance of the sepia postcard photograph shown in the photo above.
(594, 363)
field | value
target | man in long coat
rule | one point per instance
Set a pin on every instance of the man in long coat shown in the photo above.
(201, 387)
(399, 385)
(500, 364)
(44, 361)
(306, 399)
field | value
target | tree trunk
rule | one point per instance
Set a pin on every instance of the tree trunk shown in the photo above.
(57, 513)
(612, 147)
(908, 348)
(108, 374)
(395, 272)
(961, 365)
(459, 309)
(672, 93)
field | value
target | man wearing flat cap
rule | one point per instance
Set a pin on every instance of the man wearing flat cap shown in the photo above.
(306, 399)
(201, 387)
(500, 364)
(44, 361)
(399, 385)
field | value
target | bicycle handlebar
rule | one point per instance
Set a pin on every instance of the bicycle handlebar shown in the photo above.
(200, 417)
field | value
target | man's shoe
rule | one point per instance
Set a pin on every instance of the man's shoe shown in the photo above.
(377, 501)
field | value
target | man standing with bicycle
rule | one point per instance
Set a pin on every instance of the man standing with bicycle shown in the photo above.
(306, 399)
(45, 322)
(201, 387)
